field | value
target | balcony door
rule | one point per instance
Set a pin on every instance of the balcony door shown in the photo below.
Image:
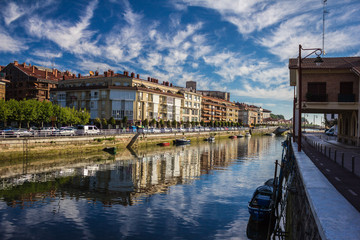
(316, 92)
(346, 92)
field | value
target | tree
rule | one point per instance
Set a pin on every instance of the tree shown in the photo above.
(174, 123)
(5, 112)
(29, 108)
(97, 122)
(168, 123)
(146, 123)
(202, 123)
(112, 121)
(153, 123)
(162, 123)
(125, 121)
(45, 111)
(104, 122)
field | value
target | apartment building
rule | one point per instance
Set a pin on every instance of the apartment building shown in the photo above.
(330, 88)
(3, 83)
(216, 109)
(191, 106)
(120, 95)
(30, 81)
(248, 114)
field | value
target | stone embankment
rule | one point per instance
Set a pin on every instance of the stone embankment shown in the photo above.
(49, 146)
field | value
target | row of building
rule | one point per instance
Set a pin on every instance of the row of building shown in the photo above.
(125, 95)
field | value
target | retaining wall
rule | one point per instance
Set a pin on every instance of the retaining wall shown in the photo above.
(315, 209)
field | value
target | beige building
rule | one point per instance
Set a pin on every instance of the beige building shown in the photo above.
(120, 95)
(3, 82)
(191, 106)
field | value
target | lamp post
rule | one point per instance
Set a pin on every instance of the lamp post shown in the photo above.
(318, 61)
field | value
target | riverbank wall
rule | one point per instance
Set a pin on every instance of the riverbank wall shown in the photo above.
(315, 209)
(50, 146)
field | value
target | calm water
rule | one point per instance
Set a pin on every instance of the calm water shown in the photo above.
(191, 192)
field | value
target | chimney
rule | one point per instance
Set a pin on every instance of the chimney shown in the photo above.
(55, 73)
(170, 84)
(105, 74)
(46, 74)
(24, 64)
(96, 73)
(149, 79)
(138, 76)
(33, 69)
(132, 75)
(74, 76)
(29, 64)
(79, 75)
(15, 63)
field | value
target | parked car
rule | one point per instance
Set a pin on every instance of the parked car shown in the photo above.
(87, 129)
(154, 130)
(23, 132)
(165, 130)
(181, 130)
(67, 131)
(48, 131)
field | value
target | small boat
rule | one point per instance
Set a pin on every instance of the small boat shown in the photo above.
(210, 139)
(181, 141)
(163, 144)
(270, 134)
(240, 136)
(247, 134)
(261, 203)
(232, 137)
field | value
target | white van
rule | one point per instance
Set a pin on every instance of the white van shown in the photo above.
(87, 129)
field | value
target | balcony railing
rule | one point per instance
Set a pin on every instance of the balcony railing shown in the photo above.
(346, 97)
(316, 97)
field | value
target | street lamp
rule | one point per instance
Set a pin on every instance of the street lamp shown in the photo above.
(318, 61)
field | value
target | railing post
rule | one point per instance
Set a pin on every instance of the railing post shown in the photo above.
(342, 160)
(329, 152)
(325, 151)
(335, 155)
(353, 164)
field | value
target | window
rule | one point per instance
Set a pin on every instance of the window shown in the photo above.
(316, 92)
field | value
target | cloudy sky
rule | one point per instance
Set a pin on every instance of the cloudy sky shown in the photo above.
(240, 46)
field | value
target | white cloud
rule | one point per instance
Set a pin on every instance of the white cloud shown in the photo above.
(71, 37)
(47, 54)
(12, 12)
(281, 92)
(10, 44)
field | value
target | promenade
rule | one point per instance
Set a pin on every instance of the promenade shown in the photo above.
(339, 163)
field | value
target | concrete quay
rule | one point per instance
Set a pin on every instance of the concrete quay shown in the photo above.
(331, 192)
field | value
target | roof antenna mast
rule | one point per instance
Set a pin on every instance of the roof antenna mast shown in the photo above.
(323, 35)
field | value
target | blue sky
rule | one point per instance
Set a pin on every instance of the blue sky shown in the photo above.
(241, 46)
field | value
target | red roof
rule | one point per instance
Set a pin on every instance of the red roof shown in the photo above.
(333, 63)
(41, 74)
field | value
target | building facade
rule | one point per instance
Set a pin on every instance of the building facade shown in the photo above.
(216, 109)
(331, 88)
(119, 96)
(30, 81)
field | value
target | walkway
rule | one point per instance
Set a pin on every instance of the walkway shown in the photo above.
(339, 163)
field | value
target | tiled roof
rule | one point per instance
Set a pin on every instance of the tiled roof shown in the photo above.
(333, 63)
(41, 74)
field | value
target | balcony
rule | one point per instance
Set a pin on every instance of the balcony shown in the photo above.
(346, 97)
(310, 97)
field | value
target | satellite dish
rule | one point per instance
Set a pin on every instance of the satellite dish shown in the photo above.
(91, 73)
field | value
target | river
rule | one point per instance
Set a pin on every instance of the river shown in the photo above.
(199, 191)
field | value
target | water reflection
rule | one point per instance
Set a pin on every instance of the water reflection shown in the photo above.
(188, 189)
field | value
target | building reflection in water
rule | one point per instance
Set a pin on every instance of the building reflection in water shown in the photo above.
(124, 180)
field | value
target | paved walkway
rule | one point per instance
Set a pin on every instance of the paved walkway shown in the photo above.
(338, 162)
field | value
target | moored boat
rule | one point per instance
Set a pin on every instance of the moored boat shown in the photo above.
(240, 136)
(270, 134)
(163, 144)
(232, 137)
(210, 139)
(181, 141)
(247, 134)
(261, 203)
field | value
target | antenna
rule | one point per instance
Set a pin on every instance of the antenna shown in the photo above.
(323, 35)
